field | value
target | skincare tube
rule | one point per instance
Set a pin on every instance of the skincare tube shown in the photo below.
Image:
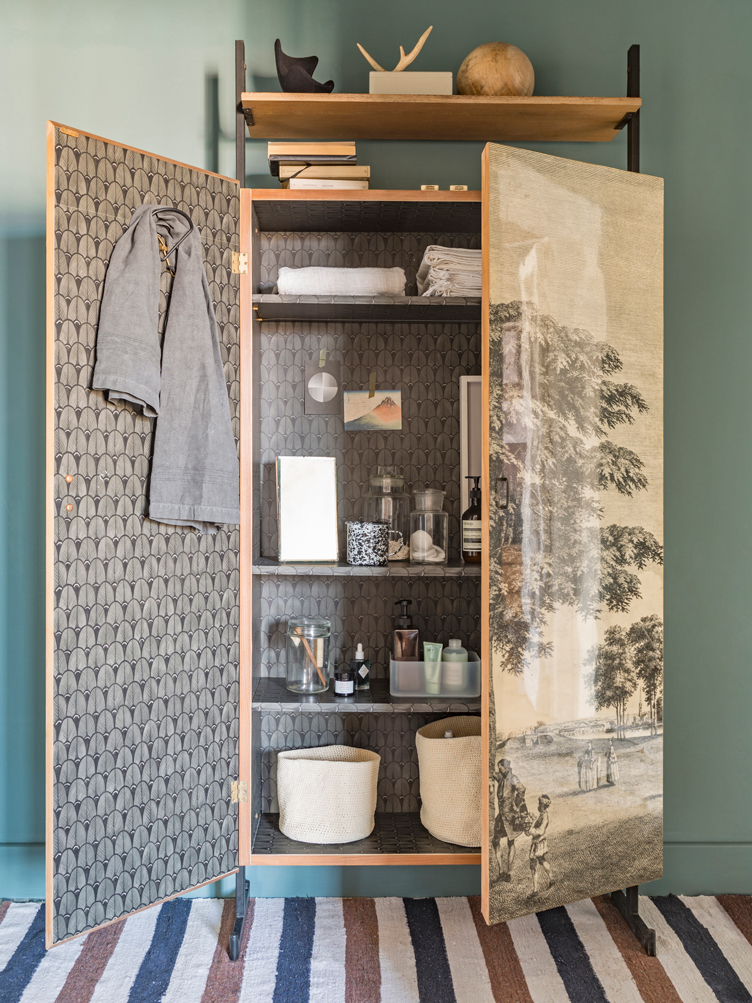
(432, 662)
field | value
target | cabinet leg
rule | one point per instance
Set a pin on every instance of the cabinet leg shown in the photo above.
(629, 907)
(242, 888)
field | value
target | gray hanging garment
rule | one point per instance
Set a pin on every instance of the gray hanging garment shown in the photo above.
(194, 475)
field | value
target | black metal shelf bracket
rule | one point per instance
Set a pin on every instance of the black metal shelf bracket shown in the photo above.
(242, 890)
(240, 121)
(633, 124)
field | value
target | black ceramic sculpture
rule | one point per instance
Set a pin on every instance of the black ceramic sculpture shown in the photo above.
(296, 75)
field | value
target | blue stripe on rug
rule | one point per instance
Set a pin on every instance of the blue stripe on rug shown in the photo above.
(703, 950)
(431, 962)
(296, 946)
(570, 956)
(27, 957)
(154, 975)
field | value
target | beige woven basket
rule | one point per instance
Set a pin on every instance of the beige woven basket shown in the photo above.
(450, 779)
(327, 795)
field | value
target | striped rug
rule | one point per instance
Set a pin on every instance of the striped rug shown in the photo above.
(385, 950)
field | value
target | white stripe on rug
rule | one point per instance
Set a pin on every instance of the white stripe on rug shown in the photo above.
(115, 984)
(539, 968)
(260, 972)
(399, 978)
(53, 970)
(196, 952)
(328, 954)
(466, 962)
(14, 927)
(689, 984)
(605, 957)
(724, 931)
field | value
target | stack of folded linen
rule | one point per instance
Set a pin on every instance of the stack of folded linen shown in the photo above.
(317, 281)
(449, 271)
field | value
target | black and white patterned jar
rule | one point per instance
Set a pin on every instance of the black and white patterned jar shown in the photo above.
(368, 543)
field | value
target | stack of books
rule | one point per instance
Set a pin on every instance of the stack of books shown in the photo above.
(317, 165)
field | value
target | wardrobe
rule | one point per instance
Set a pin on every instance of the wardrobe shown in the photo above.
(166, 702)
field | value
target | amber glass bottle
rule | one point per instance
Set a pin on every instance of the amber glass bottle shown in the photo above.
(471, 526)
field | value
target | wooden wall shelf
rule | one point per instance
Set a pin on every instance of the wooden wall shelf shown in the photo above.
(417, 116)
(396, 569)
(272, 695)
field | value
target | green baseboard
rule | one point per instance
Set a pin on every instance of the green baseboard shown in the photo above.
(689, 869)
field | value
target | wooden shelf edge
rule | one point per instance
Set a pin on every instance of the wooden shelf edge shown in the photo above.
(434, 117)
(362, 859)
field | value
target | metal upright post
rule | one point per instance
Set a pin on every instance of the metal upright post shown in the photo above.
(633, 125)
(239, 116)
(629, 904)
(242, 889)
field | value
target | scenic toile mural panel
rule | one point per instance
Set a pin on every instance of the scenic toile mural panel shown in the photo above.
(576, 537)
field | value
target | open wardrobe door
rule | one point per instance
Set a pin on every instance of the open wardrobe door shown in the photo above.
(142, 617)
(572, 583)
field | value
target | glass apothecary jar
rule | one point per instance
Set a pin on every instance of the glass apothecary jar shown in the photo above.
(429, 528)
(308, 660)
(387, 502)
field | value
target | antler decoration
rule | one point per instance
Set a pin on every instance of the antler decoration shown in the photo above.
(405, 59)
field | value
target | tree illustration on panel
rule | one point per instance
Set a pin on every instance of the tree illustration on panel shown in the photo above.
(553, 404)
(626, 659)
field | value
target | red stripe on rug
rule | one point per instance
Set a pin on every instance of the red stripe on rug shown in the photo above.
(90, 964)
(739, 908)
(508, 982)
(362, 966)
(4, 906)
(225, 978)
(649, 974)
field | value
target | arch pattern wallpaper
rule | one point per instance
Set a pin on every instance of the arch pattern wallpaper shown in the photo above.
(143, 681)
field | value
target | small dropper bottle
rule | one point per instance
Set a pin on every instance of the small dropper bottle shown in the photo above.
(361, 669)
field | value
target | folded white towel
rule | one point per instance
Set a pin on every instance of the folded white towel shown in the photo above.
(314, 281)
(450, 271)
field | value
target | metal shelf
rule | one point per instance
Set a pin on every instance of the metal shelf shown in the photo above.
(397, 838)
(423, 309)
(397, 569)
(271, 694)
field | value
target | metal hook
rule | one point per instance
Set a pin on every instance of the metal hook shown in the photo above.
(191, 227)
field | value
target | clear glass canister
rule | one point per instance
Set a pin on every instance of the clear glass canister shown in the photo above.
(386, 501)
(308, 661)
(429, 528)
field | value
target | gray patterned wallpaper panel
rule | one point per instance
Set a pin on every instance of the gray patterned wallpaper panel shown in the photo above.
(145, 671)
(423, 361)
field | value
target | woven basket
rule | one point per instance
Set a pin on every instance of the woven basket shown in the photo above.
(327, 795)
(450, 779)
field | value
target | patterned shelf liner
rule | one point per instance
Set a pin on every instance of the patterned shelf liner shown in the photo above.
(271, 307)
(272, 695)
(396, 569)
(394, 832)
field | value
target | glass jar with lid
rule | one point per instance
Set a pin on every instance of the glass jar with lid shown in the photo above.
(429, 528)
(387, 502)
(307, 650)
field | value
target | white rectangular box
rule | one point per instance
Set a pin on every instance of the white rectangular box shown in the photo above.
(408, 679)
(409, 82)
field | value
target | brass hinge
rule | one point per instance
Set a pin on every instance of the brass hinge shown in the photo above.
(239, 263)
(239, 791)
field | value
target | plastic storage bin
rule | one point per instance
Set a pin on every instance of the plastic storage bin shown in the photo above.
(408, 679)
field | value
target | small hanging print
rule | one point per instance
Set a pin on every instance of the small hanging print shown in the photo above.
(377, 413)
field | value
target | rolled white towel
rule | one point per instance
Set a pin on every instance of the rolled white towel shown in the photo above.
(316, 281)
(450, 271)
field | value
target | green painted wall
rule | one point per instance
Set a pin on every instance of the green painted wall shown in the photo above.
(135, 73)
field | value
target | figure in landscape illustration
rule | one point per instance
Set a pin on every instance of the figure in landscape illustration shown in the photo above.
(566, 576)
